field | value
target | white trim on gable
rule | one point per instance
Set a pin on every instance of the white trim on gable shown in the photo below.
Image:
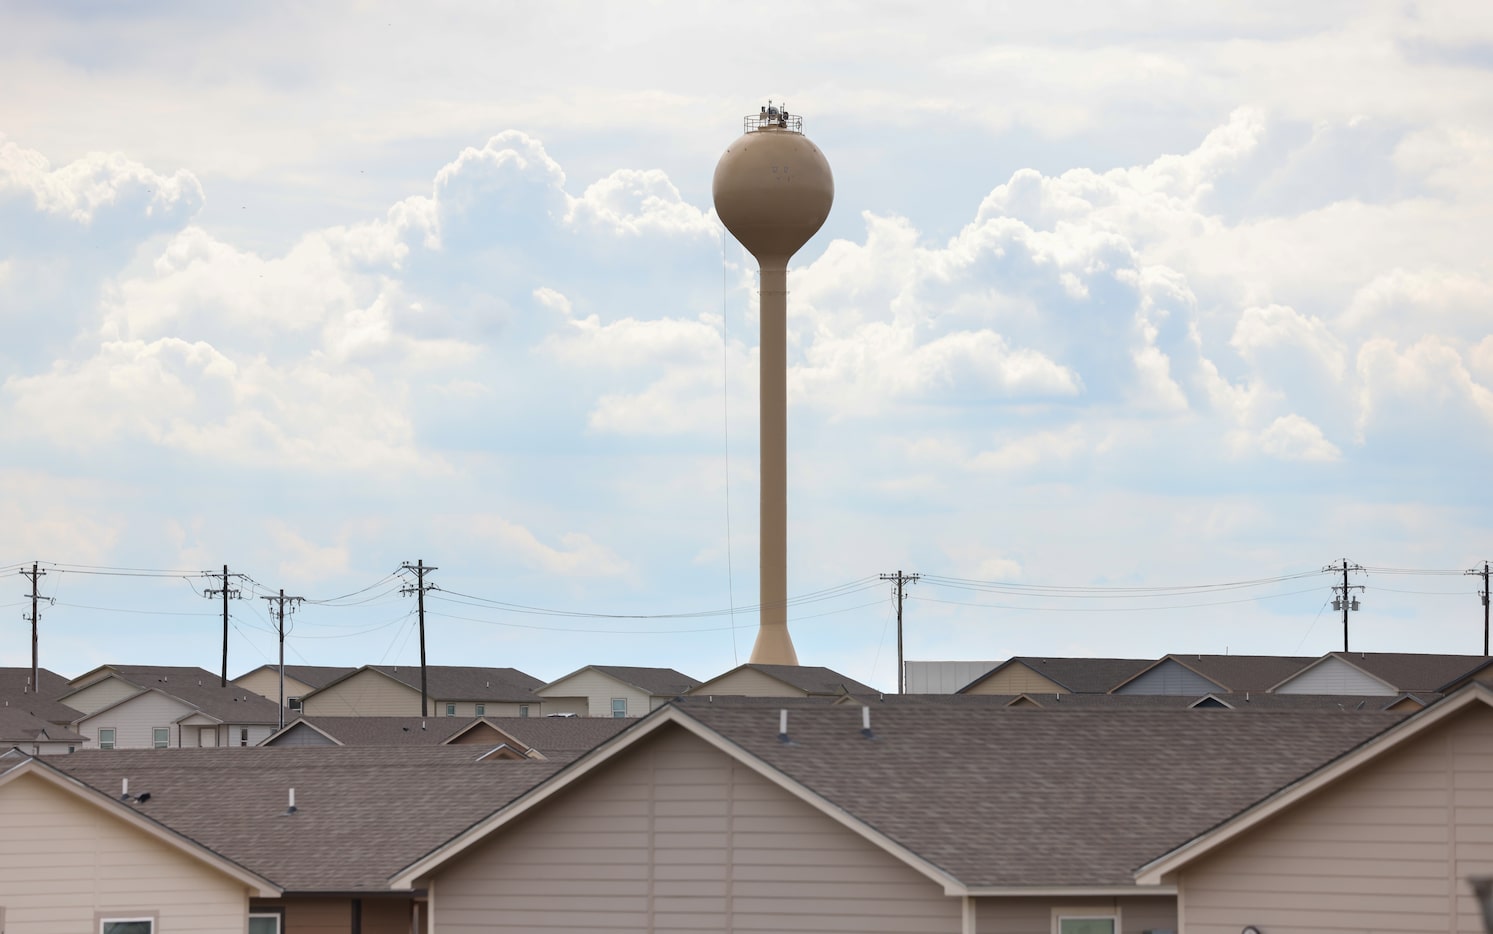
(259, 886)
(1389, 689)
(1156, 871)
(302, 722)
(647, 726)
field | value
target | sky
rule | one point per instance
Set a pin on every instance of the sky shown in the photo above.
(1128, 319)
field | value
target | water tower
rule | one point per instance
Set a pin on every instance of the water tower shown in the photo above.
(773, 190)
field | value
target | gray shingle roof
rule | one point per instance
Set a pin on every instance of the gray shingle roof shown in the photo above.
(15, 691)
(1240, 673)
(201, 689)
(1413, 673)
(811, 679)
(362, 812)
(1012, 797)
(554, 737)
(315, 675)
(659, 682)
(1079, 675)
(456, 682)
(18, 727)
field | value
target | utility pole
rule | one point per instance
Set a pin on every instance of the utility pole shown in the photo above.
(901, 580)
(1343, 599)
(419, 588)
(1484, 594)
(35, 573)
(281, 601)
(226, 592)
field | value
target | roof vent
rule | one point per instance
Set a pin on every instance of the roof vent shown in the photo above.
(292, 808)
(783, 727)
(866, 723)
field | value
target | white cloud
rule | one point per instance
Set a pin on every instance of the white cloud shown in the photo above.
(574, 555)
(99, 181)
(1292, 437)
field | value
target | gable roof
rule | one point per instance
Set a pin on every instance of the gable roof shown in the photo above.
(814, 680)
(18, 727)
(314, 675)
(16, 691)
(1330, 771)
(1404, 672)
(14, 767)
(1234, 674)
(947, 789)
(655, 682)
(195, 687)
(234, 801)
(560, 738)
(1079, 675)
(455, 682)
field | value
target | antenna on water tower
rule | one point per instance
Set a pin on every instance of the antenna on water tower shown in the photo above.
(773, 190)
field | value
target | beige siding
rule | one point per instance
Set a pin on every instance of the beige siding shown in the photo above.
(266, 683)
(1335, 676)
(598, 691)
(1034, 915)
(1386, 849)
(63, 859)
(1017, 679)
(466, 709)
(676, 836)
(99, 694)
(747, 683)
(134, 719)
(365, 694)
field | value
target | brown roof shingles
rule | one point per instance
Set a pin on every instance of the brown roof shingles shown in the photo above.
(1413, 673)
(361, 813)
(458, 682)
(203, 690)
(658, 682)
(16, 691)
(1011, 797)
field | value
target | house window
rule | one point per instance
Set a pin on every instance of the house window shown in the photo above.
(523, 710)
(243, 736)
(106, 738)
(265, 923)
(1083, 921)
(126, 925)
(450, 710)
(481, 710)
(294, 703)
(619, 707)
(160, 737)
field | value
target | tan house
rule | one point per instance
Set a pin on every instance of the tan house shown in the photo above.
(1382, 838)
(149, 707)
(1033, 675)
(75, 858)
(300, 680)
(452, 691)
(711, 815)
(614, 690)
(783, 681)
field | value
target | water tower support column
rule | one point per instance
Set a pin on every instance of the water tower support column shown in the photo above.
(773, 641)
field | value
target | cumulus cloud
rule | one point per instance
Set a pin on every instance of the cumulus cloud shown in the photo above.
(1292, 437)
(574, 554)
(86, 187)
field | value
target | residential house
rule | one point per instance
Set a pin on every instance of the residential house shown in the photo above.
(751, 680)
(145, 707)
(450, 691)
(299, 681)
(710, 814)
(614, 690)
(1378, 674)
(1032, 675)
(553, 738)
(1213, 674)
(32, 734)
(41, 700)
(1382, 838)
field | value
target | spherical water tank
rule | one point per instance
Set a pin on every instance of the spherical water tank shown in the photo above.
(773, 190)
